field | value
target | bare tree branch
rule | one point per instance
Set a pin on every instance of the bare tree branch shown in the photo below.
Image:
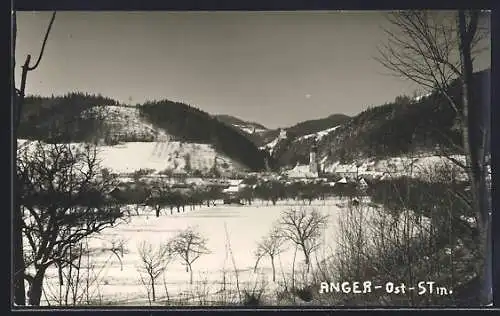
(44, 42)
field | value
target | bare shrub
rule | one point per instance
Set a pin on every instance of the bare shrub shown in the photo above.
(153, 263)
(303, 228)
(189, 245)
(229, 250)
(202, 291)
(254, 296)
(271, 245)
(400, 242)
(80, 283)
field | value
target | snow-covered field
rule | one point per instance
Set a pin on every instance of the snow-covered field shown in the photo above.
(245, 226)
(159, 156)
(132, 156)
(235, 229)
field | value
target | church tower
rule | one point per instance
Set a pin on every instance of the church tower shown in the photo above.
(313, 159)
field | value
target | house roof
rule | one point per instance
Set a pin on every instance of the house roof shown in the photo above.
(233, 188)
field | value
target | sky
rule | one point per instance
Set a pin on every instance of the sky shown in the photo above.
(274, 68)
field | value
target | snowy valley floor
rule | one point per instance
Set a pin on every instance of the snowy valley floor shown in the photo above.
(112, 282)
(118, 283)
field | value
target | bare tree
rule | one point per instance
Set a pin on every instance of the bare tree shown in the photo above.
(17, 96)
(271, 245)
(433, 49)
(153, 262)
(189, 245)
(303, 228)
(63, 199)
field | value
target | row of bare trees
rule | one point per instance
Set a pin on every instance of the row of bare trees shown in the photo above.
(160, 195)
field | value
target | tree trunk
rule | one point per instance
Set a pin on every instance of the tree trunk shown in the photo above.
(274, 269)
(36, 288)
(153, 292)
(256, 264)
(293, 266)
(19, 289)
(475, 134)
(306, 256)
(18, 273)
(190, 274)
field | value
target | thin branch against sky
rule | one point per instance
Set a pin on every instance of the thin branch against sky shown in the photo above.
(275, 68)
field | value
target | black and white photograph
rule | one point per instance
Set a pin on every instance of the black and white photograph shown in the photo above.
(246, 159)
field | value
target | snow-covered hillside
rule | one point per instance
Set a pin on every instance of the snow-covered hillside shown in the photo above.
(163, 155)
(249, 129)
(420, 97)
(126, 121)
(159, 156)
(155, 149)
(272, 145)
(319, 135)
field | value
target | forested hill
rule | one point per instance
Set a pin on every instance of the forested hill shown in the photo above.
(263, 137)
(79, 117)
(404, 126)
(317, 125)
(193, 125)
(59, 118)
(248, 127)
(423, 125)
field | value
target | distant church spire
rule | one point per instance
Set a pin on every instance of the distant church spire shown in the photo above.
(313, 158)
